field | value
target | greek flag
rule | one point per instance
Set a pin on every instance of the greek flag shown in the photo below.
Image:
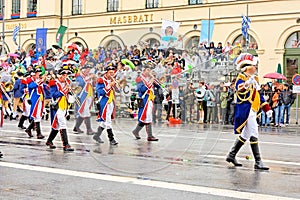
(15, 33)
(245, 26)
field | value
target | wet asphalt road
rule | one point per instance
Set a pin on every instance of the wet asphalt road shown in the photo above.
(188, 162)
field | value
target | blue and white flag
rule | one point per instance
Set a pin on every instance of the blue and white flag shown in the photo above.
(245, 26)
(15, 34)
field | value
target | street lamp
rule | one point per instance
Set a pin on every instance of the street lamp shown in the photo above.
(3, 36)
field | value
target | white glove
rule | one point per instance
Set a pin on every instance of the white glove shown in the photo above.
(269, 113)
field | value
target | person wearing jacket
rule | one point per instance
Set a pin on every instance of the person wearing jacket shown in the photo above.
(248, 103)
(288, 99)
(59, 90)
(106, 88)
(146, 101)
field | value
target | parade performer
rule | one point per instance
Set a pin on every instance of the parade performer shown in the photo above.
(106, 87)
(36, 93)
(248, 103)
(145, 104)
(18, 93)
(85, 98)
(25, 99)
(59, 90)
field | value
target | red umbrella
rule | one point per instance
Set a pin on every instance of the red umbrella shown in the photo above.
(275, 75)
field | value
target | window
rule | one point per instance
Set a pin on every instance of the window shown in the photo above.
(112, 5)
(16, 5)
(76, 7)
(32, 5)
(293, 41)
(151, 3)
(1, 8)
(194, 2)
(192, 43)
(31, 10)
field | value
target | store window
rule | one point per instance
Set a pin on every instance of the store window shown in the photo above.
(112, 5)
(16, 5)
(241, 41)
(153, 43)
(192, 42)
(293, 41)
(31, 10)
(152, 3)
(77, 7)
(112, 44)
(194, 2)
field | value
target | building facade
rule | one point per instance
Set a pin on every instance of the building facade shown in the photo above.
(274, 30)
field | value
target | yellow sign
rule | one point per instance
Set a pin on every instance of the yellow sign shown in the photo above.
(12, 26)
(131, 19)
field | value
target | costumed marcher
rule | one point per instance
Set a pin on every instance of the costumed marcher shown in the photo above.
(248, 103)
(59, 90)
(106, 88)
(85, 97)
(25, 100)
(36, 93)
(18, 93)
(145, 104)
(47, 96)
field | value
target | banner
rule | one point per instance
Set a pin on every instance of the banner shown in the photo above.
(15, 34)
(60, 35)
(41, 40)
(207, 29)
(168, 37)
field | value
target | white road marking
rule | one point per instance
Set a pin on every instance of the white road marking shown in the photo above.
(148, 183)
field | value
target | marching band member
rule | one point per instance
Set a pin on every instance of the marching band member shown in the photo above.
(25, 100)
(145, 104)
(18, 93)
(249, 101)
(105, 88)
(47, 96)
(36, 92)
(6, 101)
(85, 98)
(59, 90)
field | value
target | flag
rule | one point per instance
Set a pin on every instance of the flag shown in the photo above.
(41, 40)
(206, 33)
(169, 30)
(15, 34)
(245, 26)
(59, 35)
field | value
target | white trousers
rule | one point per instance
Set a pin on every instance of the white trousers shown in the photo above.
(61, 119)
(107, 123)
(251, 128)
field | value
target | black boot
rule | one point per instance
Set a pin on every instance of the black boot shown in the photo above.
(89, 130)
(79, 121)
(64, 138)
(38, 130)
(149, 132)
(1, 155)
(255, 150)
(234, 150)
(137, 129)
(29, 128)
(51, 138)
(96, 136)
(21, 122)
(112, 140)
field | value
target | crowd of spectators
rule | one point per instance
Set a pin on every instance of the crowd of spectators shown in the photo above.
(199, 101)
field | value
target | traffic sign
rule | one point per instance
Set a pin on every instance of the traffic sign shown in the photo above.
(296, 89)
(296, 79)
